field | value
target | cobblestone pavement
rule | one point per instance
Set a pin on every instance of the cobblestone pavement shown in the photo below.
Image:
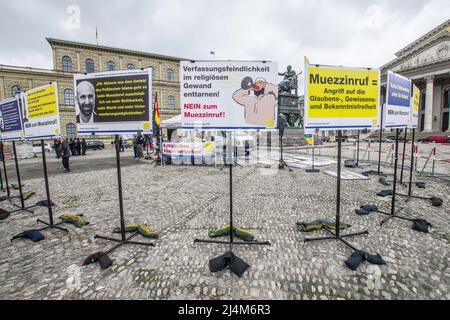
(182, 203)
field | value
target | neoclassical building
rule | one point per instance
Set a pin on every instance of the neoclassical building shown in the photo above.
(74, 57)
(426, 61)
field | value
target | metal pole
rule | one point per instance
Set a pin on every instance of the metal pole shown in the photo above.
(8, 192)
(119, 183)
(338, 188)
(404, 154)
(412, 163)
(381, 136)
(1, 179)
(22, 203)
(395, 174)
(313, 156)
(47, 189)
(231, 206)
(357, 150)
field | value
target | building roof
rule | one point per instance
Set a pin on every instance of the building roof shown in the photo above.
(113, 50)
(423, 38)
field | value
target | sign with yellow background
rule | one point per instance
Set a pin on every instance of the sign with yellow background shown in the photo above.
(42, 102)
(337, 97)
(415, 101)
(40, 113)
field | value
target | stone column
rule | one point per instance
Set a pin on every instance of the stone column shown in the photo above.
(428, 124)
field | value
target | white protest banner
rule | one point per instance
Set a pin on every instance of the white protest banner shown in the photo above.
(41, 112)
(229, 94)
(188, 148)
(113, 102)
(398, 101)
(10, 119)
(341, 98)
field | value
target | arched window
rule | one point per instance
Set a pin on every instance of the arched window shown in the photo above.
(131, 66)
(90, 65)
(71, 130)
(110, 66)
(67, 64)
(69, 97)
(15, 89)
(169, 75)
(170, 102)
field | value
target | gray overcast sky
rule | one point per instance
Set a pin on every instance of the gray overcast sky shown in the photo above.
(350, 33)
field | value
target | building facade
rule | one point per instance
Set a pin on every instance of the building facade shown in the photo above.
(426, 61)
(70, 58)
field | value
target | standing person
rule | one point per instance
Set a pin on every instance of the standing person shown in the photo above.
(83, 147)
(78, 147)
(72, 146)
(140, 145)
(122, 149)
(65, 154)
(135, 147)
(57, 146)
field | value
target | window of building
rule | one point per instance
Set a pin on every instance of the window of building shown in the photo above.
(447, 97)
(15, 90)
(169, 75)
(110, 66)
(131, 66)
(170, 102)
(69, 97)
(90, 65)
(71, 130)
(67, 64)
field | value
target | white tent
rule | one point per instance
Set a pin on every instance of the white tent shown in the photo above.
(174, 122)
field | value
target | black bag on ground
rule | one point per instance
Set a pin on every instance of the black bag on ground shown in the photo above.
(421, 225)
(44, 203)
(375, 259)
(385, 193)
(4, 214)
(355, 259)
(237, 265)
(436, 202)
(103, 259)
(33, 234)
(420, 185)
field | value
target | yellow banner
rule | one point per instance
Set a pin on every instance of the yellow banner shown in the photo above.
(416, 99)
(42, 102)
(342, 93)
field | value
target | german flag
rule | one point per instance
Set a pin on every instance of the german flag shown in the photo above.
(156, 118)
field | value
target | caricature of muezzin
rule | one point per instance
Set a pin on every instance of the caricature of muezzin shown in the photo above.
(259, 100)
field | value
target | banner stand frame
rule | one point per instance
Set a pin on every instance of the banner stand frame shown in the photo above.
(231, 240)
(404, 154)
(282, 164)
(8, 191)
(50, 224)
(313, 169)
(22, 201)
(380, 142)
(336, 235)
(393, 213)
(123, 240)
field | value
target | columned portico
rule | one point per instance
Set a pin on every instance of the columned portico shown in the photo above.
(428, 125)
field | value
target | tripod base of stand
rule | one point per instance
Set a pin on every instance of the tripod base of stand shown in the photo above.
(283, 165)
(263, 243)
(52, 226)
(340, 237)
(21, 209)
(312, 170)
(122, 242)
(391, 216)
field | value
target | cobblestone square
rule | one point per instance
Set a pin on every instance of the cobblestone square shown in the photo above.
(183, 202)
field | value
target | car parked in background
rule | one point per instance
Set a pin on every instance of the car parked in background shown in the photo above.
(436, 139)
(95, 145)
(37, 147)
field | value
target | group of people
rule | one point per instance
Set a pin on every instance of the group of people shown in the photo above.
(64, 148)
